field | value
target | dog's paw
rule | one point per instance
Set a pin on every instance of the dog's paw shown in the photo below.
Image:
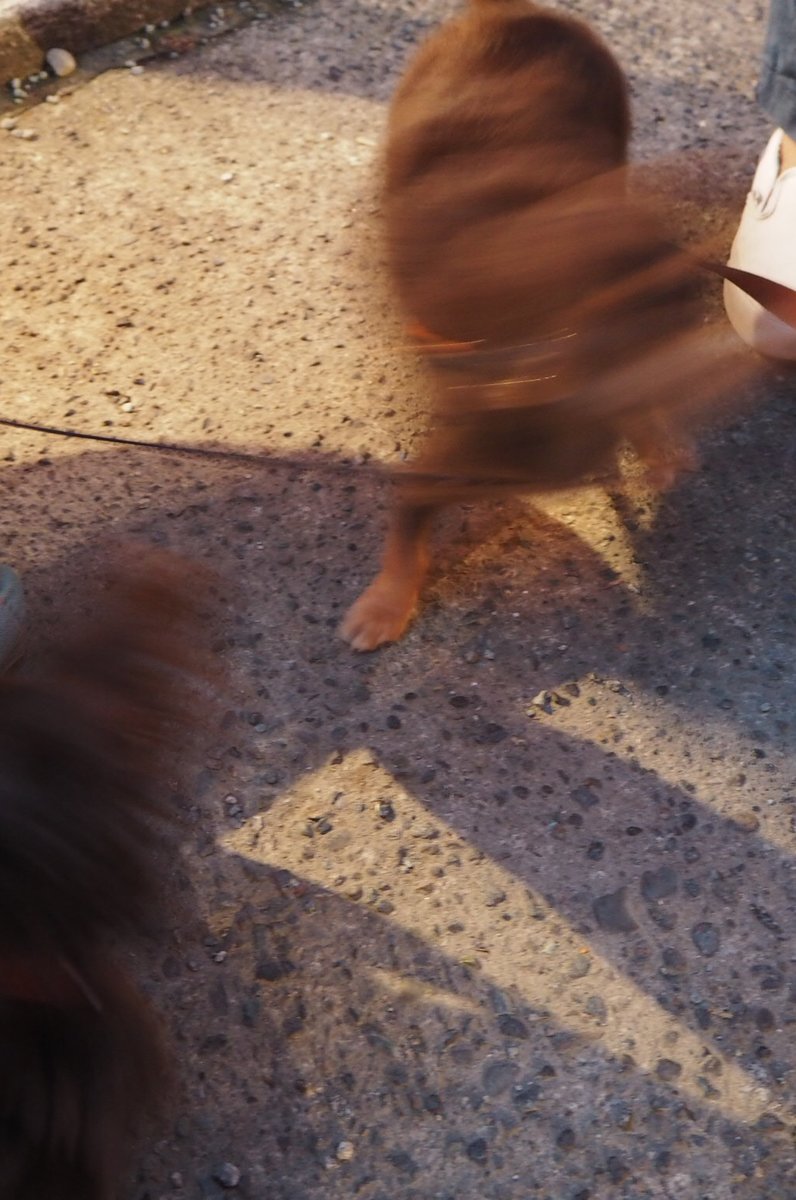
(380, 615)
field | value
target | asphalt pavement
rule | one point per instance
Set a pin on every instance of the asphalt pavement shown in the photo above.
(508, 910)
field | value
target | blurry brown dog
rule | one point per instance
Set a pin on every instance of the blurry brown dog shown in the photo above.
(556, 318)
(83, 748)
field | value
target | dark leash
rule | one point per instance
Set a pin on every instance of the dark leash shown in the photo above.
(775, 297)
(510, 364)
(216, 452)
(222, 453)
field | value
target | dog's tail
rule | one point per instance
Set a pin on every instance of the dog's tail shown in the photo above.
(84, 814)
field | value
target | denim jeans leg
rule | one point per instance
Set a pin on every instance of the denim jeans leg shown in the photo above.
(776, 90)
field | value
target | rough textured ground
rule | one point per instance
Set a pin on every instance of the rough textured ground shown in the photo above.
(505, 911)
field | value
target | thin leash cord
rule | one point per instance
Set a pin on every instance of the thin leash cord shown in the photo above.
(280, 462)
(774, 296)
(214, 452)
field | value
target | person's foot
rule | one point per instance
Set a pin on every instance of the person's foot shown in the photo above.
(765, 244)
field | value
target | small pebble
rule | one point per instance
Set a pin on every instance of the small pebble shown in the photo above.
(511, 1026)
(611, 912)
(580, 967)
(566, 1139)
(668, 1070)
(674, 963)
(498, 1077)
(657, 885)
(617, 1171)
(527, 1094)
(477, 1150)
(60, 62)
(345, 1152)
(706, 938)
(596, 1007)
(585, 796)
(770, 1122)
(745, 822)
(621, 1114)
(228, 1175)
(768, 921)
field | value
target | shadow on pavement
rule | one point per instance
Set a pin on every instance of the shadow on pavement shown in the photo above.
(358, 977)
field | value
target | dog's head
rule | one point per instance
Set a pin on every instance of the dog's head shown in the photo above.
(83, 745)
(511, 235)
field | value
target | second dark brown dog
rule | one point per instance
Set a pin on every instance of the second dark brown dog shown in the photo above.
(557, 320)
(86, 745)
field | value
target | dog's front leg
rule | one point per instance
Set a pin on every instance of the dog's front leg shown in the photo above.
(383, 611)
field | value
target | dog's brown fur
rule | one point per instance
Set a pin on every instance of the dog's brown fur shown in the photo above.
(559, 321)
(83, 816)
